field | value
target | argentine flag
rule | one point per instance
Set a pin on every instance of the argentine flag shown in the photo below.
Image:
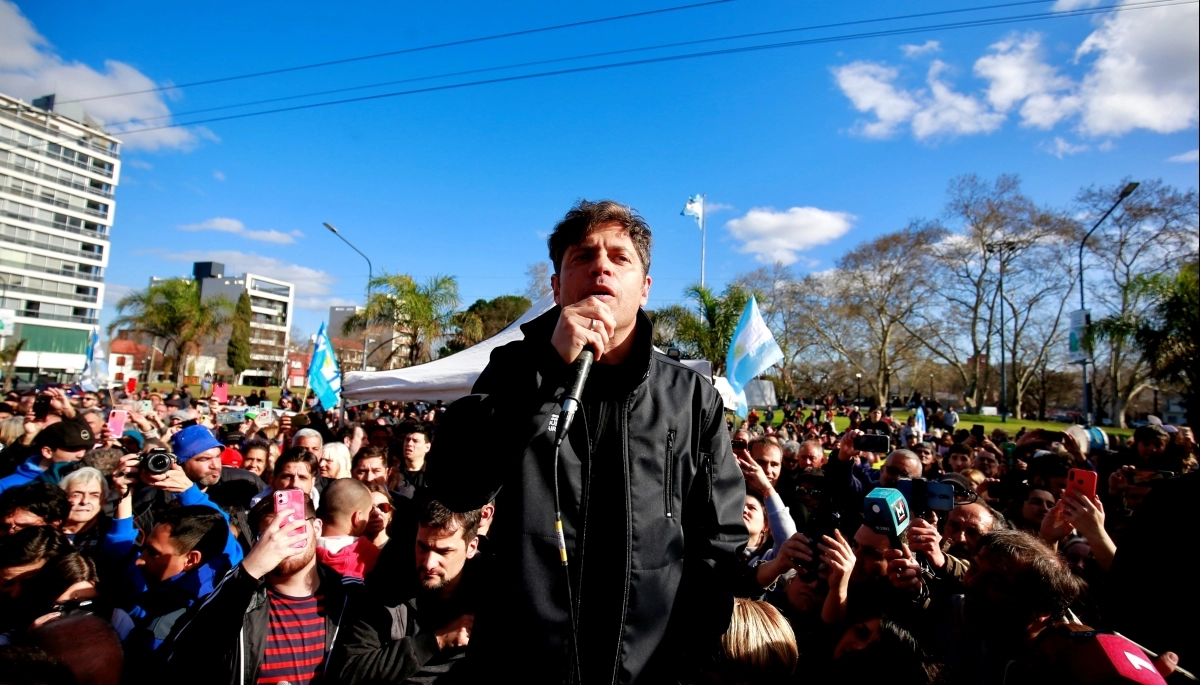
(694, 208)
(323, 375)
(752, 351)
(95, 366)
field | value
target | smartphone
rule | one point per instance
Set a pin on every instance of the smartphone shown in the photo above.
(1052, 436)
(876, 444)
(1144, 476)
(289, 506)
(1081, 483)
(116, 422)
(977, 431)
(41, 406)
(300, 420)
(146, 406)
(265, 404)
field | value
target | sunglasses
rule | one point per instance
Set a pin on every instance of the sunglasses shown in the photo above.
(738, 444)
(383, 508)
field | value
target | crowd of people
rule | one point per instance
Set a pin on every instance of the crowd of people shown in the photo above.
(210, 544)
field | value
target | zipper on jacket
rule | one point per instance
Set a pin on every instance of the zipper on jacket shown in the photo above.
(707, 464)
(669, 476)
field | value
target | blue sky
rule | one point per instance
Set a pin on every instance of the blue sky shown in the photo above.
(805, 151)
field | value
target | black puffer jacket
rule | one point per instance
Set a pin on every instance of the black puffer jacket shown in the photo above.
(677, 518)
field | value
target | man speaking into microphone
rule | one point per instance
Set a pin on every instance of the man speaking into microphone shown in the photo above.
(649, 492)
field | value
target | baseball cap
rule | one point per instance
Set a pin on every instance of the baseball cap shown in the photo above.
(231, 457)
(181, 415)
(191, 441)
(66, 435)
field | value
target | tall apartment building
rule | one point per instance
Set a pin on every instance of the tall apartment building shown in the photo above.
(337, 318)
(271, 305)
(58, 174)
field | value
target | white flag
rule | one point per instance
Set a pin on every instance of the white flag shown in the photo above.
(694, 208)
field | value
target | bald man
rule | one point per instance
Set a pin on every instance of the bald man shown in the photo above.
(345, 511)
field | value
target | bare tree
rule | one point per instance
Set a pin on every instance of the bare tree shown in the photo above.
(780, 304)
(538, 280)
(1155, 230)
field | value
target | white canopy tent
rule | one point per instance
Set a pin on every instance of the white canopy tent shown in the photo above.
(445, 379)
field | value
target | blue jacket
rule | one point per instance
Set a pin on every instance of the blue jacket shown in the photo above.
(27, 472)
(155, 609)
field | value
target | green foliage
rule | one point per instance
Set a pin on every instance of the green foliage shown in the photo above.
(238, 353)
(484, 319)
(174, 311)
(8, 357)
(706, 335)
(418, 313)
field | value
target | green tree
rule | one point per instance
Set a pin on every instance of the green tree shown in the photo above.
(174, 311)
(237, 355)
(418, 313)
(484, 319)
(703, 335)
(8, 357)
(1165, 331)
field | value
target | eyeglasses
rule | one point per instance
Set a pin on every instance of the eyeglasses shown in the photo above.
(383, 508)
(738, 444)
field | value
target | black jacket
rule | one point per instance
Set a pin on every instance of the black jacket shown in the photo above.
(391, 637)
(678, 511)
(221, 640)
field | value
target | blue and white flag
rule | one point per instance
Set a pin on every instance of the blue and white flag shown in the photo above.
(95, 366)
(694, 208)
(752, 351)
(323, 375)
(920, 414)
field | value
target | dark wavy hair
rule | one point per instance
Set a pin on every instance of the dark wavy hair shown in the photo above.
(586, 216)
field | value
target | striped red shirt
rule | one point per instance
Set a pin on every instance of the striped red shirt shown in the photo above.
(295, 639)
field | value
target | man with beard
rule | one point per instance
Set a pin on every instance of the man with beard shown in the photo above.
(424, 636)
(274, 617)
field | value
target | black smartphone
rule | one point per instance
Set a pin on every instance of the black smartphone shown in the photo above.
(876, 444)
(41, 406)
(977, 431)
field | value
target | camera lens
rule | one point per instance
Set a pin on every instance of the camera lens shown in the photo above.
(158, 461)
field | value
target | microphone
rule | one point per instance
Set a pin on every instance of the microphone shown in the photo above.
(581, 368)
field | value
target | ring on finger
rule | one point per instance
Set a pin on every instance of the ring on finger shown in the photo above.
(592, 325)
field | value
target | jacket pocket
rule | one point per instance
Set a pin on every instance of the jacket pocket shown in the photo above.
(669, 476)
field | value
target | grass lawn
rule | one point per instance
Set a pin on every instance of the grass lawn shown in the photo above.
(989, 423)
(243, 390)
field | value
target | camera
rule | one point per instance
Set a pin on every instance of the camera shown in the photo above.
(158, 460)
(924, 496)
(875, 444)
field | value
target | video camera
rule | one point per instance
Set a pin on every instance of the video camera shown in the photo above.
(924, 496)
(157, 460)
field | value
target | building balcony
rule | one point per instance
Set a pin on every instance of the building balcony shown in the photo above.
(53, 272)
(46, 293)
(91, 145)
(34, 314)
(56, 179)
(57, 225)
(96, 256)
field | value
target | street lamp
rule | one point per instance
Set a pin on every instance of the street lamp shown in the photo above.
(1087, 395)
(1001, 246)
(858, 397)
(370, 269)
(366, 342)
(931, 386)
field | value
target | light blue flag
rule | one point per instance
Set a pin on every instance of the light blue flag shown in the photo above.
(694, 208)
(323, 375)
(95, 366)
(752, 351)
(920, 414)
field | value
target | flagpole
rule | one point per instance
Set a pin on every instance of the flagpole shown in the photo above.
(703, 211)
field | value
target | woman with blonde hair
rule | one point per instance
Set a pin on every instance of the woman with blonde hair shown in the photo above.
(758, 647)
(12, 430)
(334, 461)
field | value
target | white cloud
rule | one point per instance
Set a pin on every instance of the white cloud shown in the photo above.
(950, 113)
(1068, 5)
(312, 285)
(871, 88)
(114, 292)
(1061, 148)
(773, 236)
(934, 112)
(1189, 157)
(30, 68)
(1016, 74)
(139, 164)
(227, 225)
(219, 175)
(714, 207)
(1146, 74)
(928, 47)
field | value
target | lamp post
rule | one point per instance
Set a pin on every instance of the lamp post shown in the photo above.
(1087, 395)
(858, 393)
(999, 247)
(366, 342)
(370, 269)
(931, 386)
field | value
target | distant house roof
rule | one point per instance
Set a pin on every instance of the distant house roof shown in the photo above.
(120, 346)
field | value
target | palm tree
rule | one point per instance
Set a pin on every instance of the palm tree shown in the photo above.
(8, 357)
(419, 313)
(707, 335)
(173, 310)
